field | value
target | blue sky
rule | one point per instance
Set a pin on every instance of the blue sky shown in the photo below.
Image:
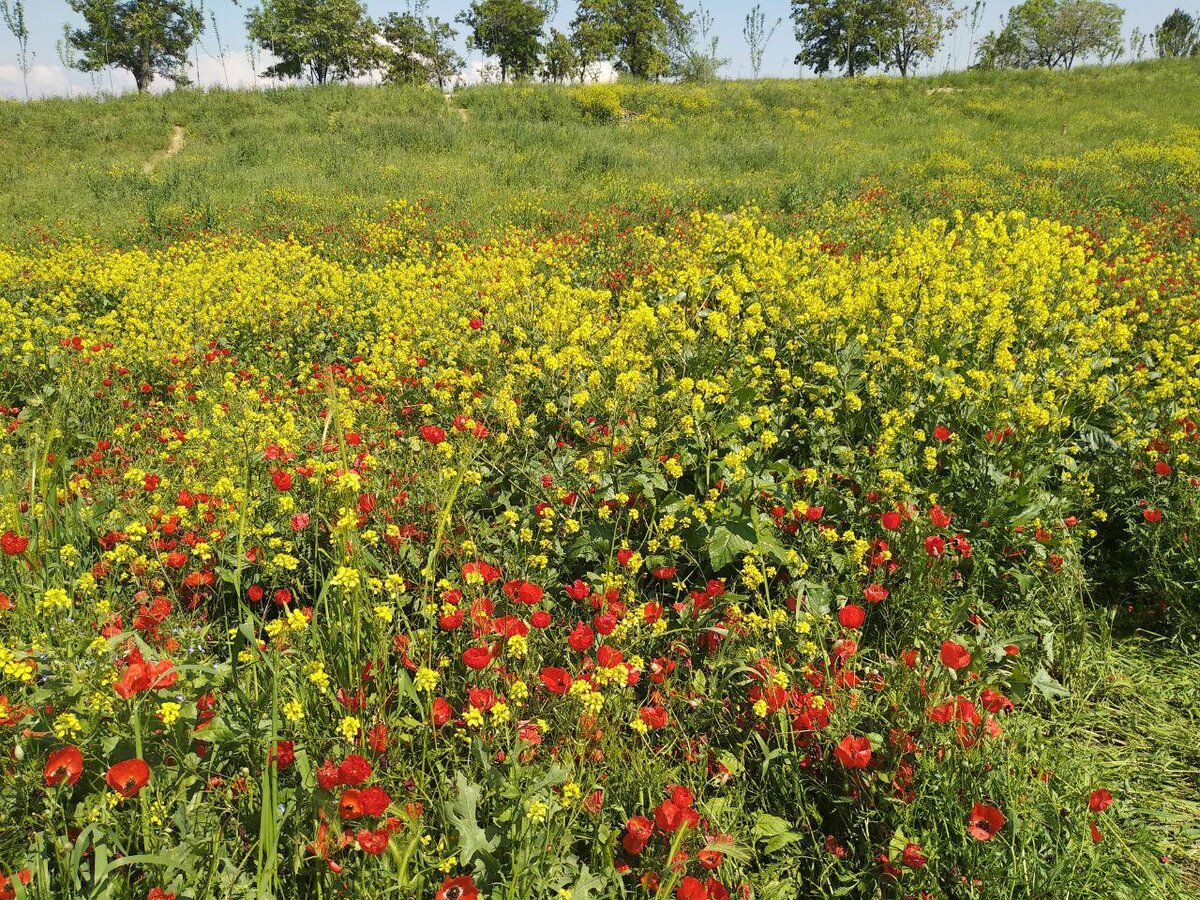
(46, 18)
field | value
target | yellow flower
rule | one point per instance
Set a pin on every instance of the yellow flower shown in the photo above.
(349, 727)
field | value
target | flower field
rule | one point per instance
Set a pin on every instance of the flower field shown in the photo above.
(676, 555)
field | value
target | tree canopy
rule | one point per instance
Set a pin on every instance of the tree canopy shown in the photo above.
(638, 35)
(323, 40)
(1054, 34)
(510, 30)
(148, 38)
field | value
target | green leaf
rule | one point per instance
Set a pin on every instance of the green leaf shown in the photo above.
(463, 814)
(727, 542)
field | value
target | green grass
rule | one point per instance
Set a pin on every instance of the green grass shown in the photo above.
(315, 158)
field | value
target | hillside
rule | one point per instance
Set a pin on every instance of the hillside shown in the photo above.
(309, 159)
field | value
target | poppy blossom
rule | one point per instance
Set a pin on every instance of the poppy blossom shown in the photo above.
(460, 888)
(523, 592)
(852, 616)
(985, 821)
(557, 681)
(891, 520)
(63, 764)
(691, 888)
(432, 434)
(637, 833)
(127, 778)
(853, 751)
(1100, 800)
(13, 544)
(477, 657)
(373, 842)
(1152, 516)
(954, 656)
(913, 856)
(581, 638)
(875, 593)
(441, 712)
(354, 770)
(350, 804)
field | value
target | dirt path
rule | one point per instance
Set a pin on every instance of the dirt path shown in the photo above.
(173, 148)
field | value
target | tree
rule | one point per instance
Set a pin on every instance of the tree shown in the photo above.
(1054, 33)
(510, 30)
(323, 40)
(13, 14)
(840, 34)
(1178, 35)
(914, 30)
(757, 36)
(561, 60)
(638, 35)
(695, 56)
(149, 38)
(419, 48)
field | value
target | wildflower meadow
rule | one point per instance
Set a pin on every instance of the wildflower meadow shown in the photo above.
(655, 550)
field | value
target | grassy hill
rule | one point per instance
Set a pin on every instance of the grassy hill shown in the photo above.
(310, 159)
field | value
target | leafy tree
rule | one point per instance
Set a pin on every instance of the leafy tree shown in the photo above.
(757, 36)
(561, 60)
(510, 30)
(639, 35)
(1177, 35)
(149, 38)
(13, 14)
(419, 48)
(323, 40)
(1054, 33)
(840, 34)
(914, 30)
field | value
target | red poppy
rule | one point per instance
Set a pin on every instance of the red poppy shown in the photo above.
(541, 619)
(488, 572)
(852, 616)
(477, 657)
(691, 889)
(460, 888)
(581, 638)
(354, 770)
(853, 752)
(7, 891)
(891, 520)
(284, 754)
(955, 656)
(523, 592)
(913, 856)
(557, 681)
(1097, 837)
(128, 777)
(13, 544)
(350, 805)
(63, 764)
(985, 821)
(939, 517)
(441, 713)
(578, 590)
(1100, 800)
(432, 433)
(375, 801)
(935, 545)
(653, 717)
(282, 480)
(942, 433)
(373, 842)
(875, 593)
(1153, 516)
(637, 832)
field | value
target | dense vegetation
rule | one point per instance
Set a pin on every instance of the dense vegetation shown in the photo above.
(767, 490)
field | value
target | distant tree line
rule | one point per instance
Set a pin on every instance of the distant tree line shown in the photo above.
(336, 40)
